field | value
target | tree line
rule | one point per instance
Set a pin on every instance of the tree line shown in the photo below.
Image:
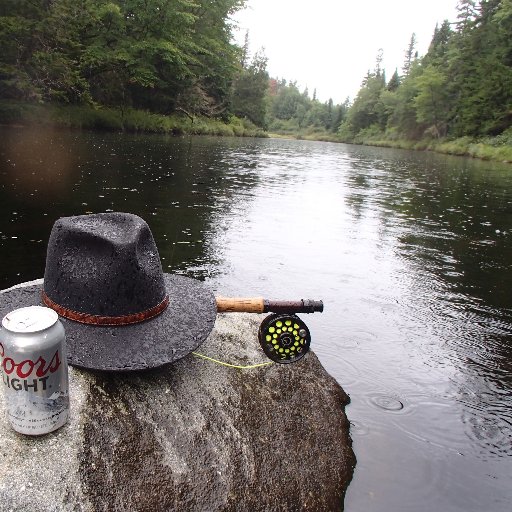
(461, 87)
(172, 56)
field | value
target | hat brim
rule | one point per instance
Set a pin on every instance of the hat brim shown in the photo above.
(161, 340)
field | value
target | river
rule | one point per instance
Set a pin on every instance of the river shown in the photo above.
(411, 253)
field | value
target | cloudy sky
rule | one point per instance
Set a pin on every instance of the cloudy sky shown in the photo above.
(330, 44)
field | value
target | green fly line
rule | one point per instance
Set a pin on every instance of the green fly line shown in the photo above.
(229, 365)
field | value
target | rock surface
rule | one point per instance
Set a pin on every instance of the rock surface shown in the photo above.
(194, 436)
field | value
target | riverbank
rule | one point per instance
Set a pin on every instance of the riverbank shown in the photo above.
(123, 120)
(497, 149)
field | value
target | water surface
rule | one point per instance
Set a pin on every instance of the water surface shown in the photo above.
(409, 251)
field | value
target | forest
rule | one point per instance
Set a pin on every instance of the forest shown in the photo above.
(120, 58)
(461, 88)
(176, 59)
(159, 55)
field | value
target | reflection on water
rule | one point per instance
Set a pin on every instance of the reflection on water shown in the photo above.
(409, 251)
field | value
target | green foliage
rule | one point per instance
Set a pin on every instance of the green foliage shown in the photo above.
(439, 45)
(250, 89)
(157, 55)
(369, 133)
(460, 88)
(286, 101)
(489, 149)
(121, 119)
(291, 112)
(431, 100)
(284, 126)
(367, 109)
(394, 82)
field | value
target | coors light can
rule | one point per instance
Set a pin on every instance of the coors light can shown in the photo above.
(34, 370)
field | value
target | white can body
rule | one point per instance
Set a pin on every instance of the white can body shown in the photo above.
(34, 370)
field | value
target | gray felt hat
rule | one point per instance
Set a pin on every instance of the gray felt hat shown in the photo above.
(120, 311)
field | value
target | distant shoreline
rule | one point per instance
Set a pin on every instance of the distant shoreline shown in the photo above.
(19, 114)
(464, 146)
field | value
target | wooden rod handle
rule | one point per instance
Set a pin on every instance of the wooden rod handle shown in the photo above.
(239, 305)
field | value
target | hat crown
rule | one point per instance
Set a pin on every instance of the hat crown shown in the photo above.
(104, 264)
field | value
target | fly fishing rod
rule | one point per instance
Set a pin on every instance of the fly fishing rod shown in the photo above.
(283, 336)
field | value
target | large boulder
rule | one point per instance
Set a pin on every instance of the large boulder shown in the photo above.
(195, 436)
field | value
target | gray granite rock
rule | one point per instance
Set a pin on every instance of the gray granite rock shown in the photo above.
(194, 436)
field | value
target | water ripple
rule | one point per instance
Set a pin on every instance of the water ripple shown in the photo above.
(386, 402)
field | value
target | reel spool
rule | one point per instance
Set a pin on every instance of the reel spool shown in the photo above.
(284, 338)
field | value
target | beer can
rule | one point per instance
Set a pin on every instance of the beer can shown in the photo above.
(34, 370)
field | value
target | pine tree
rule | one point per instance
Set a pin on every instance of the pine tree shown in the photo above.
(466, 14)
(410, 55)
(378, 62)
(244, 57)
(394, 82)
(440, 43)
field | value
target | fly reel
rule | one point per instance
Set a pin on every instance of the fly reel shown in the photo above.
(284, 338)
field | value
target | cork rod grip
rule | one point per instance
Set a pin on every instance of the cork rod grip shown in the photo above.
(240, 305)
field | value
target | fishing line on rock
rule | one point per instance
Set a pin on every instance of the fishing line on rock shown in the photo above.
(229, 365)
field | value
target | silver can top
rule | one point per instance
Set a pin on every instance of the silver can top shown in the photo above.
(30, 319)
